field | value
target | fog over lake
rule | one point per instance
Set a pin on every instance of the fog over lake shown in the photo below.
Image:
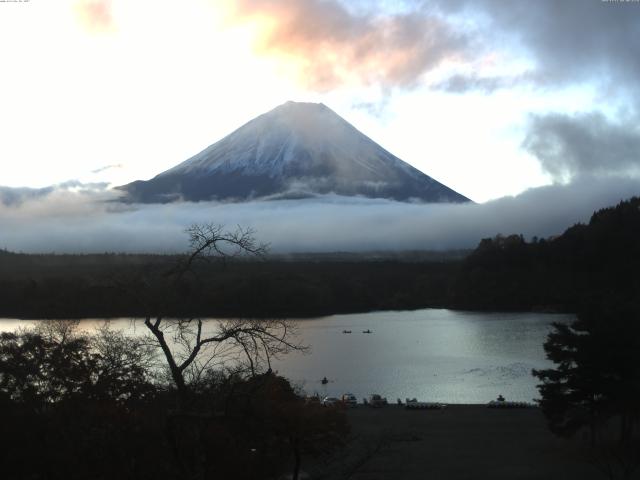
(92, 220)
(433, 354)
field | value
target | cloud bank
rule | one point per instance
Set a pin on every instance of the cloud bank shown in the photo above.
(333, 45)
(337, 42)
(72, 222)
(571, 41)
(75, 192)
(570, 145)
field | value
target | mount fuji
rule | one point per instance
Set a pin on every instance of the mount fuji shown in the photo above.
(296, 150)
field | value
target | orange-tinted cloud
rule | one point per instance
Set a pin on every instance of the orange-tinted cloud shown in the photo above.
(95, 15)
(329, 46)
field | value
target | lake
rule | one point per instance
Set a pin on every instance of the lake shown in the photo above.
(433, 354)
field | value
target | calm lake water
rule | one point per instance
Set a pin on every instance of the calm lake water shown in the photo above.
(434, 354)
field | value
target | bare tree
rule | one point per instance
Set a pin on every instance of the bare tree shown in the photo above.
(212, 241)
(58, 331)
(247, 345)
(189, 346)
(194, 348)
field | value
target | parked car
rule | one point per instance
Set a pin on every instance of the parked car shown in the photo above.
(349, 399)
(376, 400)
(330, 401)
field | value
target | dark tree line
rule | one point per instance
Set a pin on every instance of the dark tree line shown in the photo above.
(190, 400)
(506, 272)
(98, 406)
(51, 286)
(599, 259)
(75, 406)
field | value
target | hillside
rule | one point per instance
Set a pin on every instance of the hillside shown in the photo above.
(601, 258)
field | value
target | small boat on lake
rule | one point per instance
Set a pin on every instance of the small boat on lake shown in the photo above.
(366, 331)
(346, 331)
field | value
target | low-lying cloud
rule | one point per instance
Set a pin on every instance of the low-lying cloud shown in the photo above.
(72, 222)
(76, 192)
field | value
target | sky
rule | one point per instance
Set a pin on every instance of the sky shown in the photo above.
(498, 100)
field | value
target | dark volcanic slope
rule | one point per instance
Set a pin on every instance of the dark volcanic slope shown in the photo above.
(296, 150)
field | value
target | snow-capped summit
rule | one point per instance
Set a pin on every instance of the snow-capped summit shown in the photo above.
(296, 150)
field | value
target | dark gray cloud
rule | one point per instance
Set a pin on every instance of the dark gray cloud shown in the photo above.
(67, 221)
(570, 41)
(588, 143)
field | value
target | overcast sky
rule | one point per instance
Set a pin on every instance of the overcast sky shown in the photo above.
(489, 97)
(537, 99)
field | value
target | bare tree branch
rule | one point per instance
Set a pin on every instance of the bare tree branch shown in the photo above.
(209, 241)
(259, 341)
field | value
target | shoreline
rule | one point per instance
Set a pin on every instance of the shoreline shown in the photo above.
(301, 317)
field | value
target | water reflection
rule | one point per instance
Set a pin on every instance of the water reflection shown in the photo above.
(433, 354)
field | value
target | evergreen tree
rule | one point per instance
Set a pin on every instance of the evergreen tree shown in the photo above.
(597, 373)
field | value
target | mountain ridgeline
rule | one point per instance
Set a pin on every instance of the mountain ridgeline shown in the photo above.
(296, 150)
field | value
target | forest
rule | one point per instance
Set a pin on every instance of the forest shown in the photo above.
(84, 402)
(588, 261)
(113, 285)
(507, 272)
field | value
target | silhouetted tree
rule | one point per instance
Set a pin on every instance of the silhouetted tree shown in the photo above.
(191, 347)
(573, 393)
(188, 346)
(79, 401)
(597, 370)
(38, 371)
(596, 382)
(562, 272)
(54, 363)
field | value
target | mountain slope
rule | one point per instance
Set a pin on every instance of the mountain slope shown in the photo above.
(296, 150)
